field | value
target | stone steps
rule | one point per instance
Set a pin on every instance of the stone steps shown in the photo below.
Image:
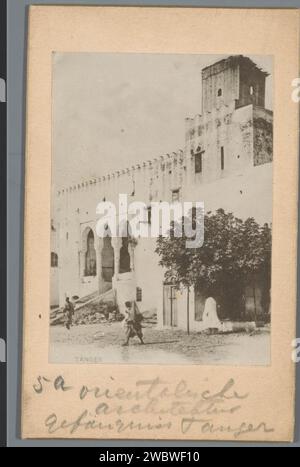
(85, 305)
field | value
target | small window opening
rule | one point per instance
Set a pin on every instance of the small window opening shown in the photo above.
(222, 158)
(175, 195)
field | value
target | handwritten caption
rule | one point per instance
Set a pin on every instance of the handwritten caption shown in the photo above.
(116, 409)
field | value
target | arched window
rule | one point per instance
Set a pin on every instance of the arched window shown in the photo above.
(90, 255)
(54, 260)
(219, 92)
(251, 90)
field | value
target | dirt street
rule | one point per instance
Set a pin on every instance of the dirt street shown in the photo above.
(102, 343)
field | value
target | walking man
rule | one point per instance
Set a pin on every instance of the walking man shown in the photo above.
(132, 323)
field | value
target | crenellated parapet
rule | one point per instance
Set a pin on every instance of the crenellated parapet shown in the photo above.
(162, 163)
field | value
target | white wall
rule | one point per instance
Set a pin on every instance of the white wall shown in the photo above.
(241, 188)
(54, 290)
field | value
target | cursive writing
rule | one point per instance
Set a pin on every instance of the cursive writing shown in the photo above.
(112, 408)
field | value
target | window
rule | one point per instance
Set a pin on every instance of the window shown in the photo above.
(107, 259)
(175, 195)
(222, 158)
(219, 92)
(54, 260)
(199, 162)
(149, 213)
(251, 90)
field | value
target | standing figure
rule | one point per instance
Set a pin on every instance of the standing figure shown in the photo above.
(69, 311)
(132, 323)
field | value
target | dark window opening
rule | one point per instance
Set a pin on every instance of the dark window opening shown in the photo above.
(222, 158)
(149, 214)
(219, 92)
(54, 260)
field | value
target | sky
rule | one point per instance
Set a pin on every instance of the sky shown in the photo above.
(111, 111)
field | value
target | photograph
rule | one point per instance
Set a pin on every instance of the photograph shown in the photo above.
(161, 209)
(157, 201)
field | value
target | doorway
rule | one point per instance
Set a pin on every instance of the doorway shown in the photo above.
(170, 317)
(108, 262)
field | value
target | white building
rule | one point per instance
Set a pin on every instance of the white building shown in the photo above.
(226, 162)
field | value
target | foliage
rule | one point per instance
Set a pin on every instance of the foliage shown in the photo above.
(234, 252)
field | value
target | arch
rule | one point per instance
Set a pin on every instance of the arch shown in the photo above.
(90, 258)
(107, 259)
(124, 263)
(124, 258)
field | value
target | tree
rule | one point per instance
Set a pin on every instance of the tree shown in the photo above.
(235, 253)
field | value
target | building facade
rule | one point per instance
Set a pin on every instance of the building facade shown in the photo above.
(226, 163)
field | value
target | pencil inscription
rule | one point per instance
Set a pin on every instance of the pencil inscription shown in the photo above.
(113, 408)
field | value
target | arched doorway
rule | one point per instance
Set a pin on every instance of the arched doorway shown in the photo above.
(124, 258)
(90, 259)
(124, 264)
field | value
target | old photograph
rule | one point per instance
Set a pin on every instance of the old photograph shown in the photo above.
(161, 209)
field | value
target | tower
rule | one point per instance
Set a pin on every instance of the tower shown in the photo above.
(234, 81)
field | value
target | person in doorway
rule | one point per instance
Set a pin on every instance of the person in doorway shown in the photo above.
(69, 311)
(211, 322)
(132, 323)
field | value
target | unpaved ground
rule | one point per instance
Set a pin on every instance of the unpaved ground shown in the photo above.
(102, 343)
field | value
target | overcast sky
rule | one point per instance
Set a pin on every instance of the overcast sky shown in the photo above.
(113, 110)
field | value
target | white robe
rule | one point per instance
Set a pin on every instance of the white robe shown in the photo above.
(210, 316)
